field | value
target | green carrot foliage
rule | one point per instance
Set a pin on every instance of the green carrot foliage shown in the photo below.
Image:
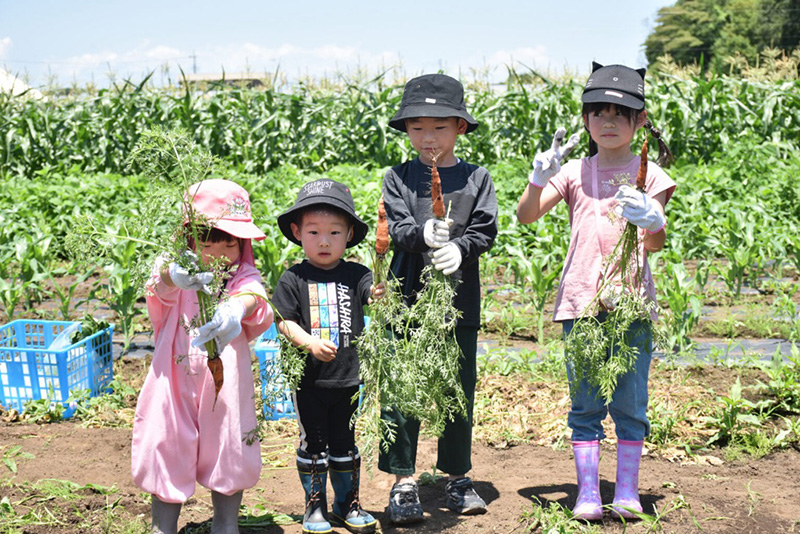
(410, 361)
(161, 225)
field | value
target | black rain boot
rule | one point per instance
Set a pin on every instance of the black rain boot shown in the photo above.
(313, 470)
(345, 478)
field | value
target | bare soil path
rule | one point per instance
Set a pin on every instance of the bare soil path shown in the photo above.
(719, 497)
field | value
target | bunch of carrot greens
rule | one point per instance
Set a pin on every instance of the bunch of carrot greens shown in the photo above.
(376, 348)
(172, 162)
(409, 359)
(598, 349)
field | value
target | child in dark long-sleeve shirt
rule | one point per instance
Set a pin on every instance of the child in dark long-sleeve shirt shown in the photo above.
(433, 115)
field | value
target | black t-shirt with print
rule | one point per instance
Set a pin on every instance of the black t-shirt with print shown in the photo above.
(328, 304)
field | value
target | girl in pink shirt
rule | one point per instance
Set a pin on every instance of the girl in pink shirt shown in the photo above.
(182, 434)
(613, 110)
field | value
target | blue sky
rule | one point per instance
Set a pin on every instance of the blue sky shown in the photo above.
(83, 40)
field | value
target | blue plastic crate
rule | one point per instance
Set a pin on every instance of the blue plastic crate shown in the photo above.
(29, 370)
(267, 350)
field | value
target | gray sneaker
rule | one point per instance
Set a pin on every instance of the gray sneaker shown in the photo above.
(462, 498)
(404, 506)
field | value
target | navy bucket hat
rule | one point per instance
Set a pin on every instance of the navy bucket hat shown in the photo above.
(432, 95)
(323, 192)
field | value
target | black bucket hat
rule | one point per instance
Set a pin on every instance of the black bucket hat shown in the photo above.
(432, 95)
(615, 84)
(323, 193)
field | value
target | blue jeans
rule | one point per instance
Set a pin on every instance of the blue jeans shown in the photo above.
(628, 406)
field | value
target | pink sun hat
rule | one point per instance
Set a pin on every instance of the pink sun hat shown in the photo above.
(226, 205)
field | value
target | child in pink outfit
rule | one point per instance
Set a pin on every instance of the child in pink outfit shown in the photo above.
(613, 110)
(180, 435)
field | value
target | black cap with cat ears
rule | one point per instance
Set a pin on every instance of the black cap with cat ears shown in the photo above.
(615, 84)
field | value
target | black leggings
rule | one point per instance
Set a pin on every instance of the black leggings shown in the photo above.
(324, 416)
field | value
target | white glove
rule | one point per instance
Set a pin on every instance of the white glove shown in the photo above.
(447, 259)
(611, 295)
(639, 209)
(547, 164)
(436, 232)
(224, 326)
(193, 282)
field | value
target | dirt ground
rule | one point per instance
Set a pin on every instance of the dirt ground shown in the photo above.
(687, 493)
(707, 494)
(756, 496)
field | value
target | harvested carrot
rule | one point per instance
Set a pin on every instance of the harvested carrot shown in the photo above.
(641, 176)
(215, 366)
(436, 192)
(382, 237)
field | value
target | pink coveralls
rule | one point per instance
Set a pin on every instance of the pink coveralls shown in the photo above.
(178, 439)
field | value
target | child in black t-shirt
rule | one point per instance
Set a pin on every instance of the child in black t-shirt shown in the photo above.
(320, 303)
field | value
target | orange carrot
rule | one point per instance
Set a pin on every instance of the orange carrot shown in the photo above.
(436, 192)
(215, 366)
(382, 237)
(641, 176)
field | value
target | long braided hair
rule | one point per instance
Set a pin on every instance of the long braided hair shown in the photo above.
(665, 157)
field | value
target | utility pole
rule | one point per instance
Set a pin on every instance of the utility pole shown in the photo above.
(194, 62)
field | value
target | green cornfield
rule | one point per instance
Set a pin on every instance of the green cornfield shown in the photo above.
(256, 131)
(736, 212)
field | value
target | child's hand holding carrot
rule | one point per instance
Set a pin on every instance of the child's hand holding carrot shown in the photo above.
(224, 326)
(639, 209)
(436, 232)
(447, 259)
(182, 276)
(377, 292)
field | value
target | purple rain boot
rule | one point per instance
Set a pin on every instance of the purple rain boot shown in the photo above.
(626, 492)
(588, 507)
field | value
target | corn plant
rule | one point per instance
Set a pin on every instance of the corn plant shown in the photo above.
(11, 294)
(536, 279)
(786, 311)
(790, 434)
(500, 361)
(311, 126)
(663, 422)
(23, 270)
(31, 258)
(677, 289)
(782, 388)
(732, 415)
(794, 249)
(123, 288)
(63, 293)
(737, 241)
